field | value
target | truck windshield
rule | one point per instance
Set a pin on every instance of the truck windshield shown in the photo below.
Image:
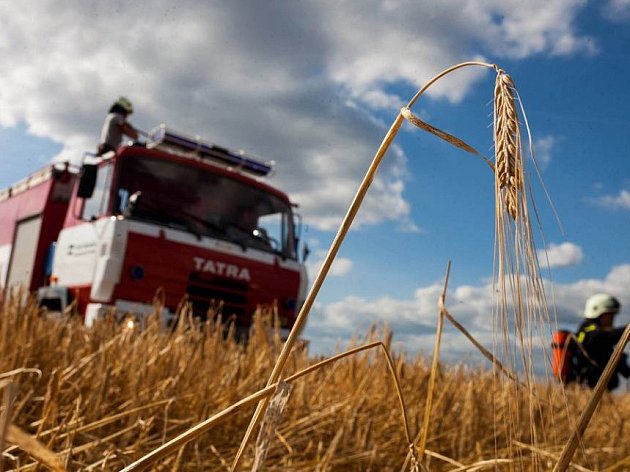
(205, 204)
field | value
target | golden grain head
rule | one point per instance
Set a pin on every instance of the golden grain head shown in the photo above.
(508, 161)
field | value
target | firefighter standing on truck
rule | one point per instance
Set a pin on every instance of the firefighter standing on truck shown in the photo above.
(116, 125)
(598, 338)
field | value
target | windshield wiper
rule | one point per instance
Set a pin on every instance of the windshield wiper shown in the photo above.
(190, 226)
(209, 224)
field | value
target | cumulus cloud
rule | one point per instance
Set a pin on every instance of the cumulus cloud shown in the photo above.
(561, 255)
(297, 82)
(503, 28)
(414, 320)
(614, 202)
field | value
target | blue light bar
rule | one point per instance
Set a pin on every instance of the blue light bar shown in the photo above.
(174, 139)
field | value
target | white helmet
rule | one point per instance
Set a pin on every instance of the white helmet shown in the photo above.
(599, 304)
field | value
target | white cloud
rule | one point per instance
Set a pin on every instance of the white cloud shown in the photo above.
(617, 11)
(619, 201)
(543, 148)
(340, 267)
(413, 321)
(377, 99)
(274, 78)
(561, 255)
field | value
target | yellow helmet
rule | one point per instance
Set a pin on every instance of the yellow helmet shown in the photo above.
(125, 104)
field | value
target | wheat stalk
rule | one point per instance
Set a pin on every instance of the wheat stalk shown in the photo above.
(422, 443)
(317, 283)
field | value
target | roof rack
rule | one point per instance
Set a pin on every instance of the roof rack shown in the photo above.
(163, 137)
(34, 179)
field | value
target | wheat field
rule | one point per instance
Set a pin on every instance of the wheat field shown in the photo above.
(99, 399)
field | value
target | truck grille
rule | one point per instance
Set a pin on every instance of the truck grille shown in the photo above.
(205, 290)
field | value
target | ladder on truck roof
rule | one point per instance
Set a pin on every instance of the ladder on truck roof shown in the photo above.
(164, 138)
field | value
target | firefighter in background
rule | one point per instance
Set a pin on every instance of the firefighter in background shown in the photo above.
(598, 338)
(115, 126)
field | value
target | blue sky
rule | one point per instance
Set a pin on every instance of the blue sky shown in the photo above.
(315, 85)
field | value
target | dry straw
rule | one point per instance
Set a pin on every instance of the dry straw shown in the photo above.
(267, 392)
(177, 401)
(270, 423)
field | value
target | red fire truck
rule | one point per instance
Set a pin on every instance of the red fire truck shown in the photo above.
(176, 213)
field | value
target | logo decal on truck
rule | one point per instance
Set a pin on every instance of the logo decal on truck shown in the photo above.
(81, 249)
(221, 268)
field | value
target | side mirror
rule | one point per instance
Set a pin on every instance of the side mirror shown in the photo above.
(87, 181)
(305, 252)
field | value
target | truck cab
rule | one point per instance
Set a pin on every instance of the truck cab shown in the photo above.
(198, 227)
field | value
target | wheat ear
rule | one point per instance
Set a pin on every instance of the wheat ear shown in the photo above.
(508, 160)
